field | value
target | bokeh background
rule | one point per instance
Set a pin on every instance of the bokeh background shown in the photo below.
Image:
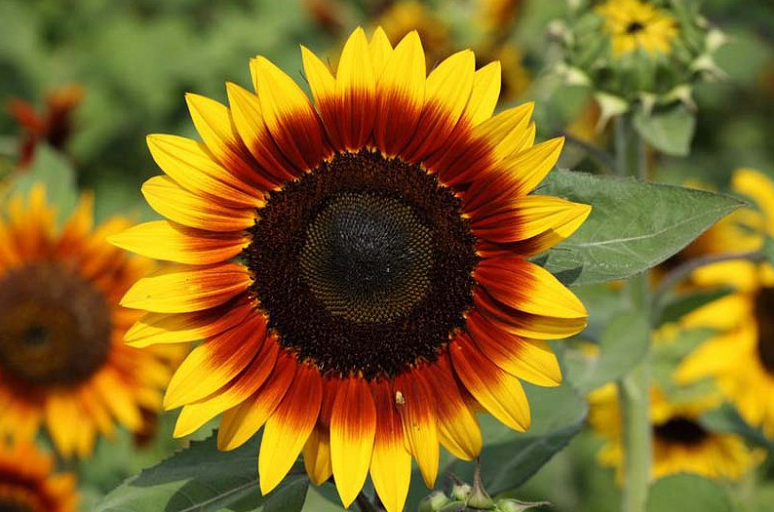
(86, 80)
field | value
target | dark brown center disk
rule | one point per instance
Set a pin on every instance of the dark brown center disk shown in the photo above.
(679, 430)
(764, 317)
(635, 27)
(55, 326)
(364, 266)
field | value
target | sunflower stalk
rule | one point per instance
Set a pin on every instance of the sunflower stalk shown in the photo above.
(633, 388)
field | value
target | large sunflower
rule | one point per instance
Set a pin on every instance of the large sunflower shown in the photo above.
(637, 24)
(62, 357)
(741, 356)
(358, 268)
(27, 483)
(680, 443)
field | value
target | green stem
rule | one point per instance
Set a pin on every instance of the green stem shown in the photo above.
(634, 388)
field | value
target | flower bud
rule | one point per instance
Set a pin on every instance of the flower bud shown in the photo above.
(435, 502)
(461, 492)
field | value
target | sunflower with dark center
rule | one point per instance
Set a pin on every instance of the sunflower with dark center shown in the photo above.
(681, 444)
(638, 24)
(358, 267)
(63, 362)
(28, 484)
(741, 356)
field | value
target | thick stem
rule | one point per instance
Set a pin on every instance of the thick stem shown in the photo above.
(634, 388)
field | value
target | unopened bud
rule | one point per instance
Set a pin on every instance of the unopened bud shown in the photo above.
(480, 500)
(461, 492)
(434, 502)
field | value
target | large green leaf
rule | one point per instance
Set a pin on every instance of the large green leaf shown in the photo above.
(203, 479)
(623, 344)
(510, 458)
(633, 225)
(687, 493)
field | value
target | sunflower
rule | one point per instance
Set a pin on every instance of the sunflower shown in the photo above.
(358, 268)
(680, 443)
(404, 16)
(27, 483)
(741, 356)
(62, 357)
(634, 24)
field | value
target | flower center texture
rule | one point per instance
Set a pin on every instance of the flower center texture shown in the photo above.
(376, 254)
(635, 27)
(679, 430)
(764, 310)
(54, 326)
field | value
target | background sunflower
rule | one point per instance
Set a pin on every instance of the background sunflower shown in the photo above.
(63, 363)
(28, 482)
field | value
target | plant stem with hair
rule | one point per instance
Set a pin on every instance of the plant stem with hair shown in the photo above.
(634, 387)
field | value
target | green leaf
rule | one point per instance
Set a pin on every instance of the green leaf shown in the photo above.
(687, 493)
(510, 458)
(670, 131)
(633, 225)
(203, 479)
(684, 304)
(768, 249)
(727, 419)
(623, 344)
(56, 173)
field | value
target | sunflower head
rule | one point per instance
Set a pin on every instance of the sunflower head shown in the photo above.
(740, 358)
(637, 24)
(649, 51)
(62, 359)
(681, 444)
(27, 483)
(357, 265)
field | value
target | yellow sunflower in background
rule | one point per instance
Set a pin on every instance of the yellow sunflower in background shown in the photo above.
(635, 24)
(741, 357)
(27, 483)
(63, 361)
(405, 16)
(357, 266)
(680, 443)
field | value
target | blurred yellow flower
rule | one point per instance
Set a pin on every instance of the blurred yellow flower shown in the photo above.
(27, 483)
(680, 443)
(741, 356)
(62, 357)
(634, 24)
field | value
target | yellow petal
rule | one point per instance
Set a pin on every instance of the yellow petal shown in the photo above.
(288, 115)
(163, 240)
(215, 363)
(189, 164)
(353, 425)
(177, 204)
(380, 49)
(182, 289)
(238, 425)
(484, 95)
(289, 427)
(317, 456)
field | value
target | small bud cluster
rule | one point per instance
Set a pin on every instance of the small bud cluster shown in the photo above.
(635, 53)
(466, 498)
